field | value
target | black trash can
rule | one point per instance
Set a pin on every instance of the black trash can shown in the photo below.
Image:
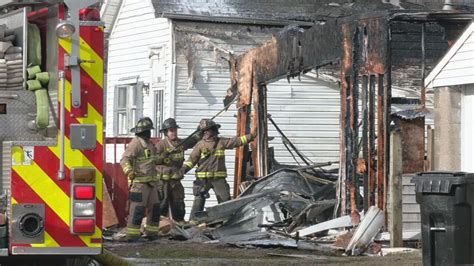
(446, 200)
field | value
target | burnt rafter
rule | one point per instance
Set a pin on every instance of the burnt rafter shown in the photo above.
(377, 52)
(291, 52)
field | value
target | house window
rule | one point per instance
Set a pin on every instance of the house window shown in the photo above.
(128, 107)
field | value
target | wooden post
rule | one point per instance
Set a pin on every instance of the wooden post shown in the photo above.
(395, 222)
(429, 150)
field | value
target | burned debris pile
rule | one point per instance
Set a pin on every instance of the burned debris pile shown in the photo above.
(291, 208)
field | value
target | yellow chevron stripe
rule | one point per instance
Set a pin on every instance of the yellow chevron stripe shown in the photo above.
(55, 198)
(93, 116)
(48, 239)
(87, 239)
(48, 242)
(75, 158)
(94, 70)
(46, 189)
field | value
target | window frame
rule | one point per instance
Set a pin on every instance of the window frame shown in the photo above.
(133, 109)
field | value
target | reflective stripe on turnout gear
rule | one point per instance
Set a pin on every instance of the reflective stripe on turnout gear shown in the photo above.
(151, 228)
(133, 231)
(144, 179)
(188, 164)
(218, 153)
(211, 175)
(127, 168)
(169, 177)
(244, 140)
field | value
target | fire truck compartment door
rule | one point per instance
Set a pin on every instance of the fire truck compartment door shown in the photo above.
(83, 137)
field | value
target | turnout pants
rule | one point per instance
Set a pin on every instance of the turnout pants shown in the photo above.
(144, 201)
(201, 187)
(172, 197)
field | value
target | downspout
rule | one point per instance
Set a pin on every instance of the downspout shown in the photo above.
(172, 94)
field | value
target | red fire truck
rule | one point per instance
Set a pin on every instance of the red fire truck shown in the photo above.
(51, 127)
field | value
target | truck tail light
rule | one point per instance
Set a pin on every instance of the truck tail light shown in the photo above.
(83, 226)
(83, 200)
(84, 192)
(83, 209)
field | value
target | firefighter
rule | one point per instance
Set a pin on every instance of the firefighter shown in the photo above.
(171, 158)
(138, 163)
(211, 172)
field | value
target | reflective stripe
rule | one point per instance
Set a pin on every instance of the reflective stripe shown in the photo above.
(244, 140)
(216, 153)
(188, 164)
(127, 168)
(133, 231)
(211, 175)
(219, 153)
(144, 159)
(168, 177)
(144, 179)
(163, 177)
(151, 228)
(177, 156)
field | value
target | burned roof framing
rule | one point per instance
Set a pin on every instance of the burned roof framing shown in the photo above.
(375, 52)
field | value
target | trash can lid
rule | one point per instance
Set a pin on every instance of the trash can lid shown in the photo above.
(440, 182)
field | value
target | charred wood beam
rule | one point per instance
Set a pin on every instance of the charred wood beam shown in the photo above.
(243, 122)
(366, 70)
(371, 144)
(290, 53)
(365, 140)
(380, 142)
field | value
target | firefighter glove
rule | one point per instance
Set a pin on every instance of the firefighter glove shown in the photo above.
(199, 133)
(131, 175)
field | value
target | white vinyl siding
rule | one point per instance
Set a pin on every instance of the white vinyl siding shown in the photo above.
(136, 31)
(457, 66)
(307, 112)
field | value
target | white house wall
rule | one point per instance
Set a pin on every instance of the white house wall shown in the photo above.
(307, 110)
(136, 30)
(459, 70)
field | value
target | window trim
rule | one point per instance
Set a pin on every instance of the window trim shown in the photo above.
(132, 109)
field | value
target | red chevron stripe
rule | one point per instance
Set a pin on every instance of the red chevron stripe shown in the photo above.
(91, 92)
(49, 163)
(93, 36)
(58, 230)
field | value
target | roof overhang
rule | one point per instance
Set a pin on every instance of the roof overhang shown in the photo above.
(234, 20)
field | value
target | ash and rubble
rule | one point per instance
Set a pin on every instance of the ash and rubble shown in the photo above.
(289, 208)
